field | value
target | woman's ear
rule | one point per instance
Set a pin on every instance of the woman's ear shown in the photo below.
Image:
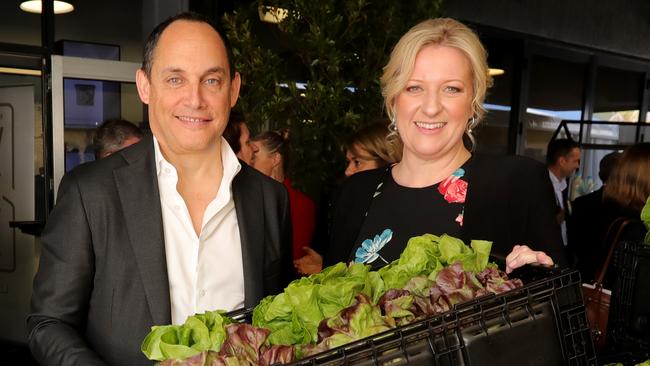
(276, 159)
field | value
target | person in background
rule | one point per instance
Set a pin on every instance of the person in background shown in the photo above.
(562, 160)
(369, 149)
(587, 222)
(625, 194)
(434, 86)
(169, 227)
(238, 136)
(272, 159)
(114, 135)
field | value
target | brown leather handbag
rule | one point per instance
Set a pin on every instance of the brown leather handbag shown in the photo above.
(595, 296)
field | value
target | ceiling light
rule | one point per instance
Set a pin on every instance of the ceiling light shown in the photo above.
(35, 6)
(496, 72)
(272, 14)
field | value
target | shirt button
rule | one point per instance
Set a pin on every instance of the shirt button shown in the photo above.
(202, 293)
(167, 170)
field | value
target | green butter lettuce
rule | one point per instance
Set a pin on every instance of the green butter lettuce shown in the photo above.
(199, 333)
(294, 315)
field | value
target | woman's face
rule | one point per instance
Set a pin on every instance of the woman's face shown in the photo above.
(433, 108)
(264, 161)
(359, 159)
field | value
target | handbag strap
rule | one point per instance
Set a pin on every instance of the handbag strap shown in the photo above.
(622, 222)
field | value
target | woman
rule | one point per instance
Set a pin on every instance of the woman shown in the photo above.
(434, 86)
(624, 196)
(271, 156)
(368, 149)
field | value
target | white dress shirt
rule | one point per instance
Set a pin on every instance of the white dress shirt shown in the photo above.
(205, 272)
(558, 187)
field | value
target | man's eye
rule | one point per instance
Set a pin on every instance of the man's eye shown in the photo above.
(213, 81)
(174, 80)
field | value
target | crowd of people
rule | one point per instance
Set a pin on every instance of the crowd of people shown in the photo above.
(202, 215)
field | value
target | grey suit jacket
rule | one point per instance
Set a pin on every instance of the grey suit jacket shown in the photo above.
(102, 281)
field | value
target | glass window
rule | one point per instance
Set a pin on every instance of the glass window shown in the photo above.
(87, 104)
(555, 93)
(618, 95)
(492, 133)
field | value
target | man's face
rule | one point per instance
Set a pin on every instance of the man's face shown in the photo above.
(189, 91)
(571, 162)
(246, 147)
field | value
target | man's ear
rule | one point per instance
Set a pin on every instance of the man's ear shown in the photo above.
(142, 82)
(235, 84)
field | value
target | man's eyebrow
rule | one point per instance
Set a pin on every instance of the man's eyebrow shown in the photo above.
(212, 70)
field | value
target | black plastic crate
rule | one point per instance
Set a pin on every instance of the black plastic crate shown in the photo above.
(629, 318)
(542, 323)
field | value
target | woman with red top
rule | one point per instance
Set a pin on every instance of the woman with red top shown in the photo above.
(271, 156)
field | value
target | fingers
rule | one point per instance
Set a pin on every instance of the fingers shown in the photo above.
(522, 255)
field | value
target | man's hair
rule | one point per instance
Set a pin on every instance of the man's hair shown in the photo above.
(154, 37)
(559, 148)
(607, 164)
(110, 136)
(232, 133)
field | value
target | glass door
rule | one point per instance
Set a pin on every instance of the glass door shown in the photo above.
(85, 93)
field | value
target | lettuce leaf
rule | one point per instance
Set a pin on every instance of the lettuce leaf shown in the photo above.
(645, 217)
(199, 333)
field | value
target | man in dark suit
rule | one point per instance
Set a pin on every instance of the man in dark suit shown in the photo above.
(172, 225)
(589, 222)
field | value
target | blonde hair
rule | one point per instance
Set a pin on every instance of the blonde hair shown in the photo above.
(372, 138)
(629, 183)
(444, 32)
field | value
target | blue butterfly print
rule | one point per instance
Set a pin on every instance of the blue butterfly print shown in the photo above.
(368, 252)
(459, 173)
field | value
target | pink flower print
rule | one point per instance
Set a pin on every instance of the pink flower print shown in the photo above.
(453, 188)
(460, 217)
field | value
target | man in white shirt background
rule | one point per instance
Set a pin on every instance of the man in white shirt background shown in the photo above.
(562, 160)
(171, 226)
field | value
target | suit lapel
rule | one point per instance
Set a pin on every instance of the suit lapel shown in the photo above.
(137, 187)
(250, 218)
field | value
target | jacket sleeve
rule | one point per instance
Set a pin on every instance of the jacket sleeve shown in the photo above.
(543, 231)
(63, 285)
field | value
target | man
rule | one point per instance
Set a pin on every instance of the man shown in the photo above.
(589, 223)
(168, 227)
(562, 160)
(114, 135)
(239, 138)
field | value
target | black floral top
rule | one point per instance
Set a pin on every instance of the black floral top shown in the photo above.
(398, 213)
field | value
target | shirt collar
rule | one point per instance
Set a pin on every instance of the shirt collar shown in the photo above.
(231, 165)
(557, 183)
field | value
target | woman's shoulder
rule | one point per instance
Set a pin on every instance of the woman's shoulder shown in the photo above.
(366, 180)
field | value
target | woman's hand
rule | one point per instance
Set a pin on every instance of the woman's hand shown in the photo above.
(310, 263)
(522, 255)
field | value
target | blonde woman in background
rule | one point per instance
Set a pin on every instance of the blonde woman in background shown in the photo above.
(369, 149)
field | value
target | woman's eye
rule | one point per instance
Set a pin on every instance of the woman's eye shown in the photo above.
(452, 89)
(413, 88)
(357, 163)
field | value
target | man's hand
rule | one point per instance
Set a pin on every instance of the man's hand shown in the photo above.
(310, 263)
